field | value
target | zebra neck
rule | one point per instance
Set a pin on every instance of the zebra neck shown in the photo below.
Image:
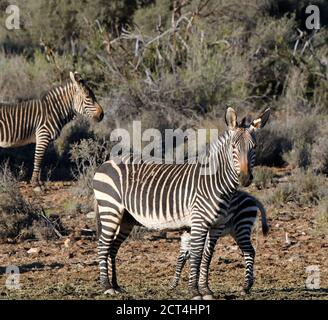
(60, 102)
(221, 173)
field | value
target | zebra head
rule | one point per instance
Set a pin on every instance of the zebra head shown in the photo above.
(84, 100)
(243, 143)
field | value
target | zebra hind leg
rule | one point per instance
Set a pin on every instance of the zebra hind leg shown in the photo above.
(125, 229)
(184, 255)
(249, 256)
(248, 251)
(110, 221)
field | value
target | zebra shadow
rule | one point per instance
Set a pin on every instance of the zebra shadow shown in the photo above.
(35, 266)
(290, 293)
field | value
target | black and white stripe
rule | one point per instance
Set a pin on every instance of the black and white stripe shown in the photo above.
(40, 121)
(243, 208)
(171, 197)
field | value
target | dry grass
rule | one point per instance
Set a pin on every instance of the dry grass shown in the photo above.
(20, 218)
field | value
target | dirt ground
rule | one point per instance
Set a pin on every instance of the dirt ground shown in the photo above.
(67, 268)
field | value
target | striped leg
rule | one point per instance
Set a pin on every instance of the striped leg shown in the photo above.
(110, 219)
(198, 238)
(42, 143)
(184, 255)
(125, 229)
(244, 242)
(211, 240)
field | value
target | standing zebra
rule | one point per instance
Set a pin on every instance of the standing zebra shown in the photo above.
(40, 121)
(176, 196)
(243, 208)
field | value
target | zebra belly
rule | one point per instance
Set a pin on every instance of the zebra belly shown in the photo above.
(184, 221)
(19, 143)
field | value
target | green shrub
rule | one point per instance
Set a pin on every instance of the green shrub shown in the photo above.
(263, 177)
(272, 142)
(311, 188)
(319, 155)
(283, 194)
(87, 155)
(322, 216)
(21, 218)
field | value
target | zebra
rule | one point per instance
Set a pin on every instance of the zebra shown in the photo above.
(175, 196)
(40, 121)
(244, 208)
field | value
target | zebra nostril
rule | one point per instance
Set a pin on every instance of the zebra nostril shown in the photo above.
(101, 116)
(245, 179)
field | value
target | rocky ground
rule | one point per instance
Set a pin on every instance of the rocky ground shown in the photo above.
(67, 268)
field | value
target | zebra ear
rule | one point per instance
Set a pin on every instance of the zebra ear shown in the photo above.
(231, 118)
(243, 122)
(261, 120)
(75, 77)
(71, 75)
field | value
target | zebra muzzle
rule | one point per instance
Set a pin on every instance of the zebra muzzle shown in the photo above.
(99, 114)
(245, 179)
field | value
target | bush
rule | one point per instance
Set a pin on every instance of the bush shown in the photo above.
(319, 155)
(87, 155)
(303, 188)
(283, 194)
(322, 216)
(237, 53)
(263, 177)
(19, 218)
(272, 143)
(302, 132)
(311, 188)
(23, 78)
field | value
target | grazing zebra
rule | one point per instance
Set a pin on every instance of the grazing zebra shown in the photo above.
(175, 196)
(244, 209)
(40, 121)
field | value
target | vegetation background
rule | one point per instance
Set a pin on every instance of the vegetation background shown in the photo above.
(177, 64)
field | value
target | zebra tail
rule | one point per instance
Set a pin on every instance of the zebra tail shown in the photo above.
(265, 227)
(98, 224)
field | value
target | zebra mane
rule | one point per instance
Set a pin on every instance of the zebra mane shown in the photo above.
(41, 98)
(46, 93)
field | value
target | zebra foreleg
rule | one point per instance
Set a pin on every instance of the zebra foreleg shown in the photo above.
(211, 240)
(40, 149)
(198, 238)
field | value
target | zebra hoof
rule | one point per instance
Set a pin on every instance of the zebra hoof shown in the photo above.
(37, 189)
(112, 292)
(173, 286)
(247, 291)
(119, 290)
(197, 298)
(208, 297)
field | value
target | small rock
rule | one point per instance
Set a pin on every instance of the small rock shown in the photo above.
(91, 215)
(287, 241)
(285, 216)
(67, 243)
(34, 251)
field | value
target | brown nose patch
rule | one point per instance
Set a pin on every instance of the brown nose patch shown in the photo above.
(244, 167)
